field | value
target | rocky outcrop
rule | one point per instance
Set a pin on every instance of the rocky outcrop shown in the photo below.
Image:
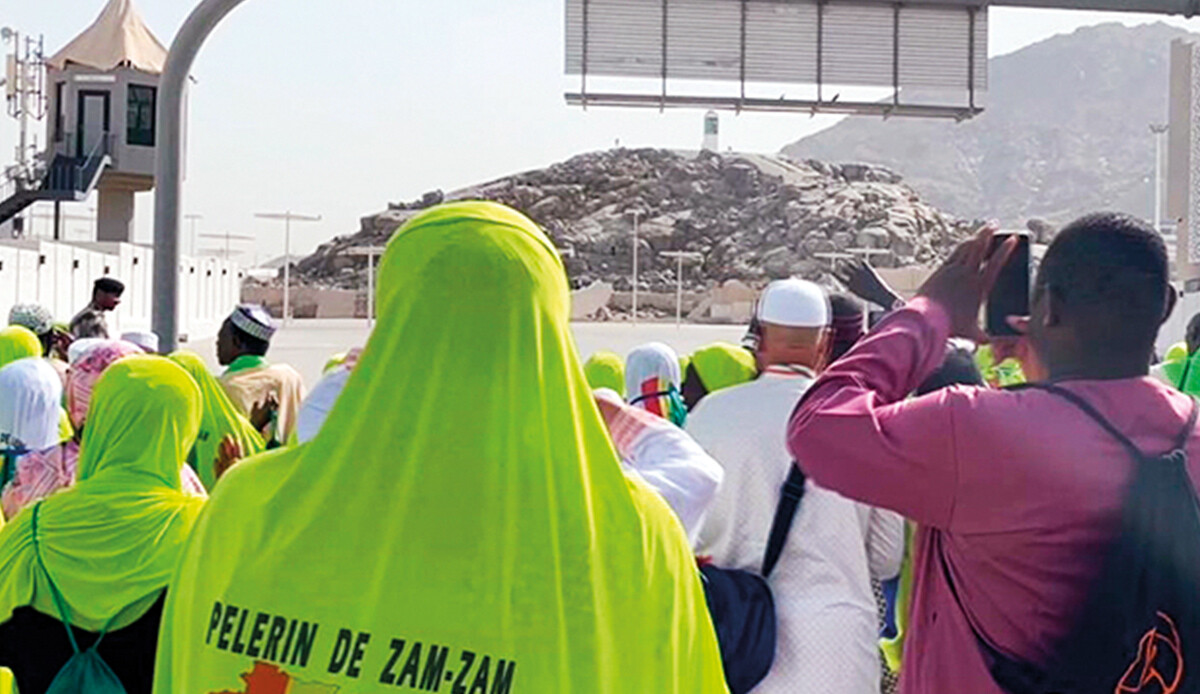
(751, 217)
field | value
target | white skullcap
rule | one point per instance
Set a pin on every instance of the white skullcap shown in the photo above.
(147, 341)
(794, 303)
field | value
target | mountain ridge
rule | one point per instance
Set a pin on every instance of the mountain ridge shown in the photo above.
(1065, 131)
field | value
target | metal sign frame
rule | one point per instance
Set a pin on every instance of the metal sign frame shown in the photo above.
(895, 105)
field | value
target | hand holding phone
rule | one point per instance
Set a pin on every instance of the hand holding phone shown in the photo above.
(961, 284)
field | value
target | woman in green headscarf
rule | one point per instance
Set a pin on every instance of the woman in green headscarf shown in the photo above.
(16, 343)
(605, 370)
(443, 527)
(109, 544)
(221, 420)
(716, 367)
(1182, 367)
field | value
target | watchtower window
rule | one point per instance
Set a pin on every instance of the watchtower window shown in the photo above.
(139, 128)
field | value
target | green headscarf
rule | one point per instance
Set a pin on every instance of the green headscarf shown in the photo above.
(1184, 373)
(16, 343)
(605, 370)
(1006, 373)
(723, 365)
(485, 516)
(221, 418)
(113, 540)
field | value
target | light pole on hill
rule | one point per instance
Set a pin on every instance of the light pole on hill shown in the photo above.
(371, 253)
(636, 218)
(680, 257)
(287, 218)
(193, 218)
(1160, 132)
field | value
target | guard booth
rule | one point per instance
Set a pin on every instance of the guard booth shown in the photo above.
(103, 89)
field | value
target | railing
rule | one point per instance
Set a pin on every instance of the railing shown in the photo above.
(90, 168)
(78, 174)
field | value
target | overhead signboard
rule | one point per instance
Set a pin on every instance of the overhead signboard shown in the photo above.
(913, 50)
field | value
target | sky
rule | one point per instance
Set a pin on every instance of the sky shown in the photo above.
(338, 107)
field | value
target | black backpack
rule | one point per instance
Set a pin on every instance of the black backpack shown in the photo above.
(740, 602)
(1139, 632)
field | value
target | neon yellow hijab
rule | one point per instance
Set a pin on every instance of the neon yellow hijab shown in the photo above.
(17, 342)
(605, 370)
(221, 418)
(1184, 373)
(1006, 373)
(113, 540)
(723, 365)
(443, 527)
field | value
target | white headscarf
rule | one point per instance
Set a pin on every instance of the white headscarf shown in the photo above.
(80, 347)
(30, 404)
(652, 381)
(651, 360)
(319, 402)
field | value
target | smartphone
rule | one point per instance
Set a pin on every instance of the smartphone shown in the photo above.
(1010, 295)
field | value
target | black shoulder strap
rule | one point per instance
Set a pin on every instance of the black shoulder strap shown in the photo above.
(785, 513)
(1087, 408)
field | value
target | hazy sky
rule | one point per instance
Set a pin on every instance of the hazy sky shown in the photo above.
(336, 107)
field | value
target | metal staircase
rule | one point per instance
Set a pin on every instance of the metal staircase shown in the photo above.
(66, 179)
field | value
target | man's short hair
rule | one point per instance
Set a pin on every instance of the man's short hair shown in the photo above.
(1110, 275)
(109, 285)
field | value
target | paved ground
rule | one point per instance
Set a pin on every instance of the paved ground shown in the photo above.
(307, 344)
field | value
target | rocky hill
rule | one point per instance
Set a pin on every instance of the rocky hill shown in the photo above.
(1065, 132)
(752, 218)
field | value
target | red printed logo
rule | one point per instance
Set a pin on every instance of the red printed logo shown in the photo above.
(1158, 667)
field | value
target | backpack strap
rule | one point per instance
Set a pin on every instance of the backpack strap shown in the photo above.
(1087, 408)
(785, 513)
(60, 603)
(1018, 677)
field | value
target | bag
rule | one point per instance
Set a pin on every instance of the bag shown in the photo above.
(1141, 618)
(740, 602)
(85, 672)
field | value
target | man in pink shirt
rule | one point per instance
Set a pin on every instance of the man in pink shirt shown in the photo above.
(1017, 493)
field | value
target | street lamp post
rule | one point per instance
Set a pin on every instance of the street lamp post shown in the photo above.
(679, 257)
(287, 218)
(193, 218)
(371, 252)
(168, 164)
(1159, 131)
(636, 218)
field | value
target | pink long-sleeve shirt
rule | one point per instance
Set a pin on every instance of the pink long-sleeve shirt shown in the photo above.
(1017, 493)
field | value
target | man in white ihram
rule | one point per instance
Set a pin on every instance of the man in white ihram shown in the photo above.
(828, 628)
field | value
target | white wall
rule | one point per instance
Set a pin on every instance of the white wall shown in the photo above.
(60, 276)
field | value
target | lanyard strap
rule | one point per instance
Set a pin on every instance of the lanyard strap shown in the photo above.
(60, 603)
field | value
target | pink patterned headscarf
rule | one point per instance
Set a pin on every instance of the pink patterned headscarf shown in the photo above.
(86, 371)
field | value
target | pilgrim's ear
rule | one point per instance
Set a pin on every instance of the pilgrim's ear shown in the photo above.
(1052, 308)
(1169, 307)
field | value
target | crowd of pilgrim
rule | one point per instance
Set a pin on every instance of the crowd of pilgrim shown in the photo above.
(465, 504)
